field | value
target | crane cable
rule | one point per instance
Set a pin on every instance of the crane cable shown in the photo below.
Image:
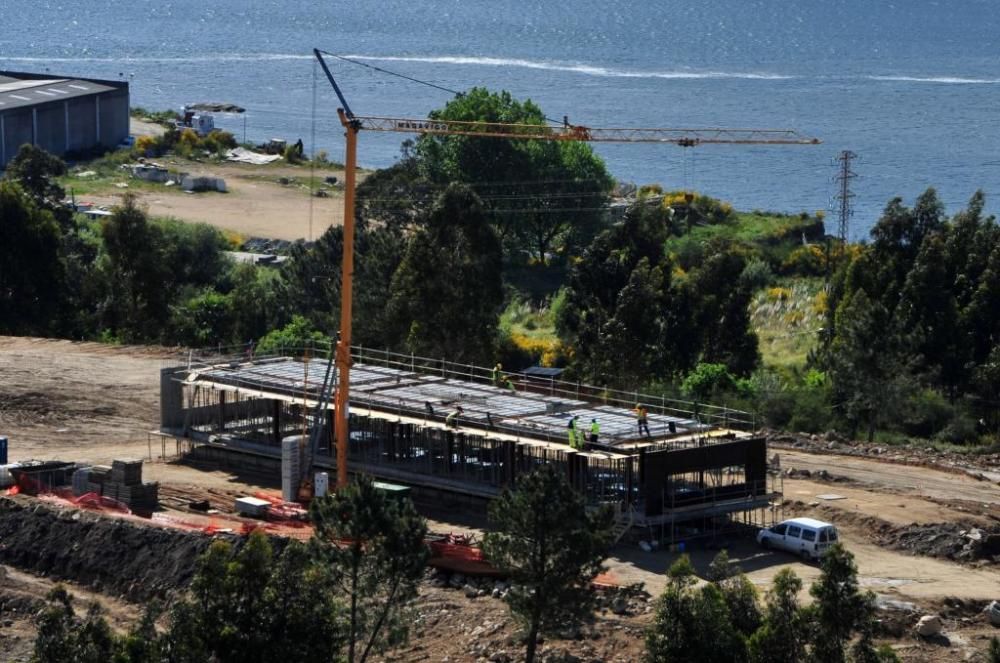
(312, 148)
(412, 79)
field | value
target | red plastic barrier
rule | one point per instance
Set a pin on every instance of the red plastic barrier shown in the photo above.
(100, 503)
(455, 551)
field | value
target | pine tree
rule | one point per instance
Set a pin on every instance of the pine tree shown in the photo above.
(840, 607)
(377, 545)
(693, 624)
(738, 592)
(446, 294)
(781, 637)
(550, 547)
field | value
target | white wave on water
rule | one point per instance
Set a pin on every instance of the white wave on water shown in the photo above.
(217, 57)
(951, 80)
(591, 70)
(485, 61)
(578, 68)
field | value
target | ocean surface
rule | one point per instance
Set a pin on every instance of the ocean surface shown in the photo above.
(911, 86)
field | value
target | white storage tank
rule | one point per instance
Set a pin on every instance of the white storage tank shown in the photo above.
(6, 478)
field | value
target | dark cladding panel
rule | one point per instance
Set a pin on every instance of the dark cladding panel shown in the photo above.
(17, 131)
(114, 118)
(51, 125)
(659, 466)
(82, 123)
(756, 465)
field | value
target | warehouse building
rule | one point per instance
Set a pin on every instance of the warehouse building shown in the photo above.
(64, 116)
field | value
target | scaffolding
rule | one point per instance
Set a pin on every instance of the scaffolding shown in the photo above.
(698, 463)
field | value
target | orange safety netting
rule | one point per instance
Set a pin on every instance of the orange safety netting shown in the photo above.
(97, 502)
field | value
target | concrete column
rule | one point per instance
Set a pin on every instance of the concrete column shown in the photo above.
(171, 399)
(276, 421)
(221, 427)
(66, 119)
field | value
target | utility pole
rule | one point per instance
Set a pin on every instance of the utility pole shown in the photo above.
(844, 195)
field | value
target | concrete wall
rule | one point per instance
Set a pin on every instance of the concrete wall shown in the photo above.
(172, 398)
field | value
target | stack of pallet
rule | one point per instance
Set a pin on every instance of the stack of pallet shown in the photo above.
(96, 477)
(122, 481)
(127, 487)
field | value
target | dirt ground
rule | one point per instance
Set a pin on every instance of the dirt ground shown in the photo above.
(256, 204)
(253, 206)
(86, 401)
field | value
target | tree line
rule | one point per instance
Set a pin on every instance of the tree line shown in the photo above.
(913, 323)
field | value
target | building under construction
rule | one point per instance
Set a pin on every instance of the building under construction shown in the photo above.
(697, 469)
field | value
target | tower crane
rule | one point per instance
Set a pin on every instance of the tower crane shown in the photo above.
(354, 124)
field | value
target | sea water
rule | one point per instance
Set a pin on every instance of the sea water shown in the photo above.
(913, 86)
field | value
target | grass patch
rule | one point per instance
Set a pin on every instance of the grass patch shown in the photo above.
(897, 439)
(754, 228)
(787, 317)
(520, 318)
(108, 173)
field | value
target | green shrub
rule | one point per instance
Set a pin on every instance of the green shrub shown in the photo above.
(805, 261)
(707, 382)
(811, 411)
(514, 356)
(960, 430)
(294, 338)
(218, 142)
(927, 413)
(757, 274)
(292, 154)
(204, 320)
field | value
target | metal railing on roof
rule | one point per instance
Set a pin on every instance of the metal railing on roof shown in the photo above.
(708, 415)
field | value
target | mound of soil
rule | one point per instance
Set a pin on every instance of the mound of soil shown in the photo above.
(956, 541)
(112, 556)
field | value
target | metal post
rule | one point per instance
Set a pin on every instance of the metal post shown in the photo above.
(346, 298)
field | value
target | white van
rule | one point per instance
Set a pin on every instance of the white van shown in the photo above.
(806, 537)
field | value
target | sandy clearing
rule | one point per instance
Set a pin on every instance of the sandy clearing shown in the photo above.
(894, 477)
(893, 509)
(256, 204)
(253, 208)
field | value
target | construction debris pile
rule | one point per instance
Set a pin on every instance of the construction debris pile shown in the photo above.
(122, 482)
(953, 541)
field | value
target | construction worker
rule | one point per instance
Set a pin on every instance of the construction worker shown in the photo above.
(571, 432)
(642, 418)
(509, 384)
(595, 430)
(452, 419)
(498, 374)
